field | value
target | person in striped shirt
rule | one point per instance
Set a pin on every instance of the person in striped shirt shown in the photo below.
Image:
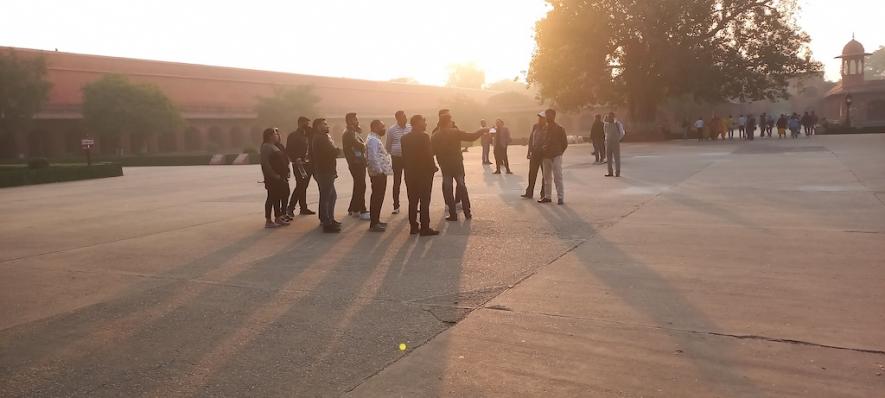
(394, 147)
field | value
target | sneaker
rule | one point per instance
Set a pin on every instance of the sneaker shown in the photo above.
(331, 229)
(526, 196)
(395, 210)
(336, 222)
(609, 175)
(281, 221)
(377, 228)
(365, 216)
(497, 172)
(560, 202)
(509, 172)
(270, 224)
(428, 232)
(544, 200)
(468, 215)
(307, 212)
(452, 218)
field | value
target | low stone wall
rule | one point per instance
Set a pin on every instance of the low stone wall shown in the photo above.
(17, 175)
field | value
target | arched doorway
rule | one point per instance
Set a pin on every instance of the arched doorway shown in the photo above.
(193, 139)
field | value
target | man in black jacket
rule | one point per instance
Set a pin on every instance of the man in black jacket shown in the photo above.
(447, 147)
(354, 147)
(555, 143)
(535, 156)
(597, 137)
(324, 155)
(302, 169)
(419, 169)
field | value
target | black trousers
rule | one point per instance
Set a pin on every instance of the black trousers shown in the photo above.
(454, 191)
(397, 179)
(599, 148)
(419, 189)
(358, 200)
(534, 166)
(277, 192)
(299, 194)
(379, 188)
(501, 158)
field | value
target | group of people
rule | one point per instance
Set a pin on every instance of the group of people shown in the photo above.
(746, 125)
(405, 151)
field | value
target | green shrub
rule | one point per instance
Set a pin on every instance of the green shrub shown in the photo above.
(15, 176)
(38, 163)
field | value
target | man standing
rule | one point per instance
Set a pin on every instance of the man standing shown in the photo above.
(597, 137)
(698, 126)
(354, 148)
(447, 147)
(813, 122)
(742, 126)
(394, 147)
(502, 140)
(324, 155)
(614, 133)
(379, 167)
(302, 169)
(535, 155)
(751, 127)
(486, 144)
(555, 143)
(419, 169)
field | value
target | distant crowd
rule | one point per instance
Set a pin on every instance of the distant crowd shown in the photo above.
(407, 152)
(745, 126)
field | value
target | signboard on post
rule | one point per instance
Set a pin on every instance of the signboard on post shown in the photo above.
(87, 144)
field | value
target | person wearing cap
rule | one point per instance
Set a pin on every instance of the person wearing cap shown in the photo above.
(447, 147)
(555, 143)
(297, 144)
(354, 147)
(394, 147)
(535, 156)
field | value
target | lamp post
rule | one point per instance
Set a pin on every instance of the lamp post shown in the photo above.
(848, 101)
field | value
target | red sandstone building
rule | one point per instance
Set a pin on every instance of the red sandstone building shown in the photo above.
(217, 104)
(855, 100)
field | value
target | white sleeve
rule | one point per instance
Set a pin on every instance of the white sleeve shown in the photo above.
(621, 130)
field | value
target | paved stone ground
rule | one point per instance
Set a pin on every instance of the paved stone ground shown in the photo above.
(713, 269)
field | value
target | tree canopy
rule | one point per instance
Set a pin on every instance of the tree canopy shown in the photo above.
(23, 90)
(466, 76)
(113, 105)
(641, 52)
(285, 106)
(876, 64)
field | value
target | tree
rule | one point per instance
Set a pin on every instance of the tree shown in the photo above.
(113, 106)
(640, 52)
(508, 85)
(285, 106)
(466, 76)
(23, 92)
(876, 64)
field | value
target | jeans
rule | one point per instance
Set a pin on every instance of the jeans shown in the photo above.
(397, 179)
(358, 200)
(535, 164)
(379, 188)
(299, 194)
(485, 152)
(613, 152)
(449, 195)
(328, 196)
(553, 176)
(419, 189)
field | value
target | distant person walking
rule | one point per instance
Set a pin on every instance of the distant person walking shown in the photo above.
(325, 158)
(419, 169)
(274, 178)
(782, 126)
(394, 146)
(698, 126)
(795, 126)
(354, 147)
(751, 127)
(297, 145)
(742, 126)
(502, 140)
(813, 122)
(447, 147)
(597, 137)
(769, 125)
(614, 133)
(535, 155)
(379, 166)
(555, 143)
(486, 142)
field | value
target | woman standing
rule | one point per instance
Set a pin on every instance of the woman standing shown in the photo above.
(274, 178)
(502, 139)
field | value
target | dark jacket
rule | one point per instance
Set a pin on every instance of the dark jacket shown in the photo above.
(502, 138)
(354, 147)
(555, 141)
(447, 148)
(536, 142)
(280, 161)
(324, 155)
(597, 133)
(297, 143)
(417, 155)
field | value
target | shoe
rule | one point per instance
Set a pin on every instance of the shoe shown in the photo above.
(288, 218)
(560, 202)
(290, 214)
(354, 214)
(544, 200)
(270, 224)
(377, 228)
(413, 230)
(383, 224)
(452, 218)
(307, 212)
(365, 216)
(336, 222)
(609, 175)
(497, 172)
(525, 196)
(281, 221)
(331, 229)
(428, 232)
(509, 172)
(395, 210)
(468, 215)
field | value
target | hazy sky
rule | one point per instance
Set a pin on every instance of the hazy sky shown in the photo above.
(368, 39)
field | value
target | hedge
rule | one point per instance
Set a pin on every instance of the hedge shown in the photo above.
(11, 176)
